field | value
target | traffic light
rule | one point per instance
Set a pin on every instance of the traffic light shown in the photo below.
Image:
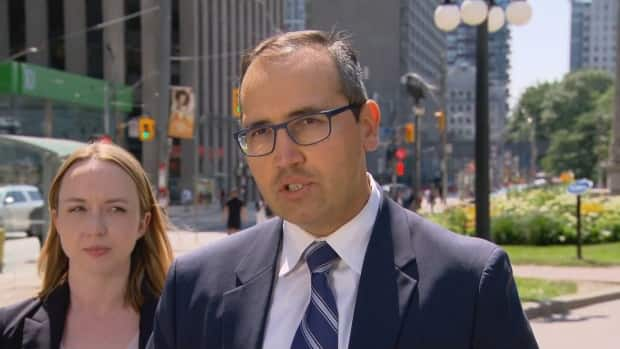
(441, 120)
(146, 128)
(236, 108)
(400, 168)
(410, 132)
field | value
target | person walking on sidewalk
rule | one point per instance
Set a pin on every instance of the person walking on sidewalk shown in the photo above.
(234, 210)
(344, 266)
(104, 262)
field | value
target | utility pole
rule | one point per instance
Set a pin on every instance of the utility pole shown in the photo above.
(444, 131)
(164, 88)
(613, 168)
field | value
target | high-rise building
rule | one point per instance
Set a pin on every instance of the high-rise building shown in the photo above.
(462, 48)
(294, 15)
(461, 92)
(579, 32)
(461, 120)
(392, 38)
(105, 57)
(593, 34)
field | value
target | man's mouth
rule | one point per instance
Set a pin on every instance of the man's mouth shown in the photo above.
(294, 187)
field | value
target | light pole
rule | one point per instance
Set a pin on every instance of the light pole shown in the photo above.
(16, 55)
(613, 169)
(414, 88)
(418, 88)
(489, 17)
(533, 148)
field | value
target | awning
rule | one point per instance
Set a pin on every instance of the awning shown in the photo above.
(58, 147)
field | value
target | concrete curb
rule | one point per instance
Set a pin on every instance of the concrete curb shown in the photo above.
(562, 305)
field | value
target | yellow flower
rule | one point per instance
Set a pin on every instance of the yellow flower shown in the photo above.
(588, 208)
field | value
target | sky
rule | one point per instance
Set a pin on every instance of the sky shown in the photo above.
(541, 48)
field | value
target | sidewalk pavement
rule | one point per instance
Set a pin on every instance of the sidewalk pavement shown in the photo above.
(595, 285)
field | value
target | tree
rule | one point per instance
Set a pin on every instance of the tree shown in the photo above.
(530, 104)
(579, 149)
(572, 120)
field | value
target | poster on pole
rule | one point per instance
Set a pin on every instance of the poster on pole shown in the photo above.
(181, 122)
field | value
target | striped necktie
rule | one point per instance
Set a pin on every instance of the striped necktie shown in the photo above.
(319, 327)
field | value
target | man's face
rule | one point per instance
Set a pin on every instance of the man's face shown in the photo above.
(322, 186)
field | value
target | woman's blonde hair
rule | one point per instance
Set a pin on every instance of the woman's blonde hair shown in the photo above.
(152, 254)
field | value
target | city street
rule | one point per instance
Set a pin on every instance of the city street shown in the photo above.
(206, 218)
(595, 326)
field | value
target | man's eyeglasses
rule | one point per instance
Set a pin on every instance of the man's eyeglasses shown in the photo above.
(305, 129)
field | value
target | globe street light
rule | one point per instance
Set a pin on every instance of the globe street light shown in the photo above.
(489, 17)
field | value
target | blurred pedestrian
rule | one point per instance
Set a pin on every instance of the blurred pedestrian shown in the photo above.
(234, 209)
(222, 198)
(186, 199)
(104, 262)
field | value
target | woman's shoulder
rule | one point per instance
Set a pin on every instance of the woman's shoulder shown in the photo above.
(13, 316)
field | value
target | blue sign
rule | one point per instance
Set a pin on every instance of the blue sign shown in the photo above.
(580, 186)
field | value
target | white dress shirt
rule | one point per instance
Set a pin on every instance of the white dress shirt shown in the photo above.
(291, 294)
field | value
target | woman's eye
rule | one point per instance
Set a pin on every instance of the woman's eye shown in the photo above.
(77, 209)
(117, 209)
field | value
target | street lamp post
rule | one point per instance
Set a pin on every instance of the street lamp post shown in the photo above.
(489, 17)
(415, 88)
(418, 88)
(16, 55)
(533, 148)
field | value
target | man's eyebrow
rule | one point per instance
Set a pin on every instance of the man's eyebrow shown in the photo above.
(291, 114)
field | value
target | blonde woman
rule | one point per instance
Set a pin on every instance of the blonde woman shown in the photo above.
(103, 265)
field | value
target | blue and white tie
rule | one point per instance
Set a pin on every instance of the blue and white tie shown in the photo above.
(319, 327)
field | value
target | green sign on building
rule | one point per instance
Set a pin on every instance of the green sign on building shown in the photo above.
(24, 79)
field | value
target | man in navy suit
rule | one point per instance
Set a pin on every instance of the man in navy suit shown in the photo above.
(344, 266)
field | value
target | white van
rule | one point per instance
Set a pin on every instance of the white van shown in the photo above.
(21, 210)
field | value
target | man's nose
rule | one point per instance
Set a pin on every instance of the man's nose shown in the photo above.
(286, 151)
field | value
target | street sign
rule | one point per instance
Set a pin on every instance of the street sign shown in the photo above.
(132, 128)
(580, 186)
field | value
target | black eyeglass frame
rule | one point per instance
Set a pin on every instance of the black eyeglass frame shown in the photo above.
(354, 107)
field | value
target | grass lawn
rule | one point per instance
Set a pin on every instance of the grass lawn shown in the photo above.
(593, 255)
(532, 290)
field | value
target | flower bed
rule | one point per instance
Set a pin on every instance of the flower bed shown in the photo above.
(540, 217)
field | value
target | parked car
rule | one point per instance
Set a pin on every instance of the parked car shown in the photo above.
(21, 210)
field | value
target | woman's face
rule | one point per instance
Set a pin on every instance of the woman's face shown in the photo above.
(98, 217)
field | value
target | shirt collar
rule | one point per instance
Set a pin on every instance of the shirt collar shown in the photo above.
(349, 241)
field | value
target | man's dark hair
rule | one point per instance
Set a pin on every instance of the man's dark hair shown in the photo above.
(336, 43)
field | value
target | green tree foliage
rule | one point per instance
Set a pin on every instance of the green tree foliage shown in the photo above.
(572, 119)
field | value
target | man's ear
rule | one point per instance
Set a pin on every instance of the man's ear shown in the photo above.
(370, 119)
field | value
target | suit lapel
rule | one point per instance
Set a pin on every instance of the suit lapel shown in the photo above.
(45, 328)
(386, 283)
(246, 306)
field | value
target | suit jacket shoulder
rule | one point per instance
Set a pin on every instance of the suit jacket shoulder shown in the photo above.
(212, 267)
(40, 323)
(12, 321)
(464, 287)
(433, 244)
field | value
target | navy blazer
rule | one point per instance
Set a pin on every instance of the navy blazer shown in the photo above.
(421, 287)
(36, 324)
